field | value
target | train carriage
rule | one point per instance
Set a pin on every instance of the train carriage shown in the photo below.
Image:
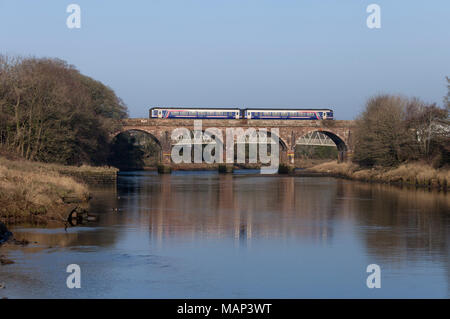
(195, 113)
(236, 113)
(288, 114)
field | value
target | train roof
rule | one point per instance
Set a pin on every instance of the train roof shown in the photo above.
(286, 109)
(237, 108)
(194, 108)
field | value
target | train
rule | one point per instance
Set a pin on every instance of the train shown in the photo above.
(237, 114)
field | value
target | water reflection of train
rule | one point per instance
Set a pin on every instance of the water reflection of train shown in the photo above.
(236, 114)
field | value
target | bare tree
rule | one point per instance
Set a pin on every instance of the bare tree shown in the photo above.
(393, 129)
(51, 112)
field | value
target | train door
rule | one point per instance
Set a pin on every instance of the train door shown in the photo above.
(159, 113)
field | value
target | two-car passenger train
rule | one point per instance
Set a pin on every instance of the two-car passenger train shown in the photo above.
(236, 114)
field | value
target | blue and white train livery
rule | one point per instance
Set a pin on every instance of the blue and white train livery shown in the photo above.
(288, 114)
(194, 113)
(236, 114)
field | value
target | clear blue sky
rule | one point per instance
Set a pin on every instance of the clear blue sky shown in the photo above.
(258, 53)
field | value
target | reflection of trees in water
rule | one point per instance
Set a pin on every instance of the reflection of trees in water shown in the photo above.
(402, 222)
(233, 207)
(395, 224)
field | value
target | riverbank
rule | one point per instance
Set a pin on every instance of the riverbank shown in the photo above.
(39, 193)
(413, 174)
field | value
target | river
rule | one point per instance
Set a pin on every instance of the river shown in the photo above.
(205, 235)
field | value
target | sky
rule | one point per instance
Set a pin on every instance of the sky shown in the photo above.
(242, 53)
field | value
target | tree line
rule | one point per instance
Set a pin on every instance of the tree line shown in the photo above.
(51, 112)
(394, 129)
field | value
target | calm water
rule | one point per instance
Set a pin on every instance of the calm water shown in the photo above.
(204, 235)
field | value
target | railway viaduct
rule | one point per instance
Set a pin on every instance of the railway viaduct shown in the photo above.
(291, 133)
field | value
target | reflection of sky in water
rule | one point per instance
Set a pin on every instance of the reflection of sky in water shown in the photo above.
(202, 234)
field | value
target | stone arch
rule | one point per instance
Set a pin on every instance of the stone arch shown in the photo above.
(283, 146)
(338, 140)
(207, 138)
(150, 134)
(335, 137)
(153, 136)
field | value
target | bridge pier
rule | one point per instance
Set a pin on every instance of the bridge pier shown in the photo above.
(341, 156)
(284, 158)
(344, 156)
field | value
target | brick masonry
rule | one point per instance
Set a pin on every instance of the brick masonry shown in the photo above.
(289, 132)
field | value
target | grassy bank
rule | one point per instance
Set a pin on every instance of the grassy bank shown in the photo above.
(38, 192)
(415, 174)
(83, 174)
